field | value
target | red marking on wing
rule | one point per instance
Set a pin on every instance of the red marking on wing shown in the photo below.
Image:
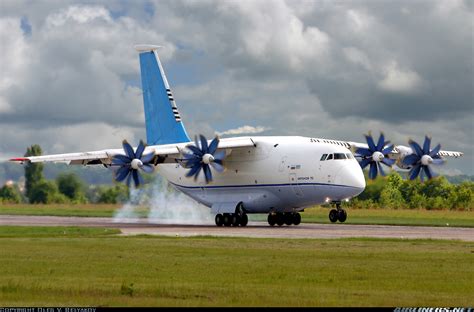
(19, 159)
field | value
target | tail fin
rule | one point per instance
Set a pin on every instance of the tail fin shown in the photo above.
(162, 119)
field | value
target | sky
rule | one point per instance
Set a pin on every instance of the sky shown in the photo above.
(70, 78)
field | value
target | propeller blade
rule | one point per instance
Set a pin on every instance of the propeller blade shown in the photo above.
(434, 151)
(213, 145)
(411, 159)
(192, 162)
(147, 157)
(428, 172)
(129, 179)
(373, 170)
(381, 142)
(147, 168)
(381, 169)
(196, 141)
(387, 150)
(426, 145)
(370, 142)
(140, 149)
(414, 172)
(128, 149)
(416, 147)
(219, 155)
(137, 179)
(389, 162)
(120, 160)
(204, 146)
(364, 162)
(218, 167)
(196, 151)
(122, 173)
(207, 173)
(194, 171)
(364, 151)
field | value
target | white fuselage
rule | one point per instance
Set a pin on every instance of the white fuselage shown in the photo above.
(279, 174)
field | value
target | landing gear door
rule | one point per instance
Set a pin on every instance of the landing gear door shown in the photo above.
(294, 185)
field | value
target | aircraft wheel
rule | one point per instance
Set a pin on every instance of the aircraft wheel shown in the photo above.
(271, 219)
(235, 219)
(288, 218)
(296, 218)
(333, 215)
(244, 219)
(227, 219)
(280, 219)
(219, 219)
(342, 215)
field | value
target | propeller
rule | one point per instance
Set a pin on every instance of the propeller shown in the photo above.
(131, 162)
(422, 158)
(202, 156)
(375, 155)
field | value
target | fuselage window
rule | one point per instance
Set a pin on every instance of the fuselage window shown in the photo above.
(329, 157)
(339, 156)
(324, 157)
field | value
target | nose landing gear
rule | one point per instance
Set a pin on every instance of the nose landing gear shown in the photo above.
(337, 214)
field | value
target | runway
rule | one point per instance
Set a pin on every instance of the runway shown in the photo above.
(254, 229)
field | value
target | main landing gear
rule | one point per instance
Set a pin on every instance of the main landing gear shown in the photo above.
(231, 219)
(287, 218)
(337, 214)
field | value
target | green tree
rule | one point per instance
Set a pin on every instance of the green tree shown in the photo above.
(71, 186)
(46, 192)
(10, 194)
(113, 195)
(33, 171)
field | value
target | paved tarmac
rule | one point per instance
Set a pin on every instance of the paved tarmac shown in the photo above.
(253, 229)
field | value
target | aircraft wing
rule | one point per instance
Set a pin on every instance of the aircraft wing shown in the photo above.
(163, 153)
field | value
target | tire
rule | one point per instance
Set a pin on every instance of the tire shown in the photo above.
(271, 219)
(244, 220)
(342, 215)
(333, 215)
(288, 218)
(227, 219)
(234, 220)
(296, 218)
(279, 219)
(219, 219)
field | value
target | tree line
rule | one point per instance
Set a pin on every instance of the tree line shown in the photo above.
(392, 191)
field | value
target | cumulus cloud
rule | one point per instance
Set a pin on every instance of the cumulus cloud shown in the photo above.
(398, 80)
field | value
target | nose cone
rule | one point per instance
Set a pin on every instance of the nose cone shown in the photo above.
(351, 175)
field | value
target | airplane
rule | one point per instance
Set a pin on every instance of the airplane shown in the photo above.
(275, 175)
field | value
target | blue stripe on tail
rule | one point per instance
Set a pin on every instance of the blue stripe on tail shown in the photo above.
(162, 119)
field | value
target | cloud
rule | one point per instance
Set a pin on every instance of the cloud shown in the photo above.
(322, 69)
(244, 130)
(400, 81)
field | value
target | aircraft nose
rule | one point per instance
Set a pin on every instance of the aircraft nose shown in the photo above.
(352, 175)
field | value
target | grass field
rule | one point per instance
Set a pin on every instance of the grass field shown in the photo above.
(316, 215)
(93, 267)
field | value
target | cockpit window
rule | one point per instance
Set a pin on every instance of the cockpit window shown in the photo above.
(349, 156)
(329, 157)
(339, 156)
(324, 157)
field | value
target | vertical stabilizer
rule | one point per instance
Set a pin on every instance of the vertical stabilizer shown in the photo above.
(162, 118)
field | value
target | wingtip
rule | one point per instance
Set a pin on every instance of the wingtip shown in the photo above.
(19, 159)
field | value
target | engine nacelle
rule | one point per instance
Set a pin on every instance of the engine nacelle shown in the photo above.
(403, 151)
